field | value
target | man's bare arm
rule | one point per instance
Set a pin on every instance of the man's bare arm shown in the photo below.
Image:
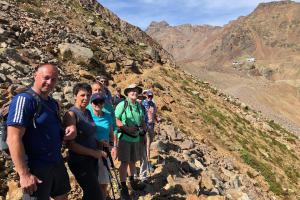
(14, 140)
(16, 148)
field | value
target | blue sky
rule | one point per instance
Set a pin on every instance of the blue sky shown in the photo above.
(213, 12)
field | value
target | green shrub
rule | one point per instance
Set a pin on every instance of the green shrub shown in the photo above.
(265, 171)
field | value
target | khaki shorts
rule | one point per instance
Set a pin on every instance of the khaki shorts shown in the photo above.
(128, 151)
(103, 176)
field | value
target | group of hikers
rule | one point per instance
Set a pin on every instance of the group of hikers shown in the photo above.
(98, 129)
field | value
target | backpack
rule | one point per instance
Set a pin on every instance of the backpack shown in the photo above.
(4, 115)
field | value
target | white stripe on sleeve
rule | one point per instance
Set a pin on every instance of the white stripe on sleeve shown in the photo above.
(17, 108)
(22, 110)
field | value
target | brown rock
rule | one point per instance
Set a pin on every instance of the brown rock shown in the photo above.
(86, 74)
(236, 194)
(206, 181)
(110, 57)
(217, 197)
(14, 192)
(192, 197)
(128, 62)
(187, 144)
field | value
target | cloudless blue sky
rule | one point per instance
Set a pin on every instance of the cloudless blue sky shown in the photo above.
(213, 12)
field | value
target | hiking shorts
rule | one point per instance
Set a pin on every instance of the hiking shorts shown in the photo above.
(103, 176)
(55, 181)
(128, 151)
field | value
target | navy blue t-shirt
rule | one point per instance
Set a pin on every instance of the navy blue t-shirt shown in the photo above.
(43, 143)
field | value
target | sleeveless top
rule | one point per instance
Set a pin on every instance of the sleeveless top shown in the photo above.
(86, 133)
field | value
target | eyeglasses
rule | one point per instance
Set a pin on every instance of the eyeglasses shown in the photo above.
(98, 102)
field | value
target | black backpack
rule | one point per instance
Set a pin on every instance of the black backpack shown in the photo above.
(3, 118)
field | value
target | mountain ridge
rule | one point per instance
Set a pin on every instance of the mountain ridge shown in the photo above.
(254, 35)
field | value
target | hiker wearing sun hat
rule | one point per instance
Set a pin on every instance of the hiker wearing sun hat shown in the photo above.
(150, 117)
(130, 120)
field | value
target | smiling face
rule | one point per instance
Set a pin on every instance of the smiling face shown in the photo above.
(82, 98)
(97, 88)
(45, 79)
(97, 105)
(133, 94)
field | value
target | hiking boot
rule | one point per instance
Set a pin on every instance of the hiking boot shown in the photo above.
(136, 186)
(125, 194)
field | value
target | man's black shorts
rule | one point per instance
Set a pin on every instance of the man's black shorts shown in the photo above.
(55, 181)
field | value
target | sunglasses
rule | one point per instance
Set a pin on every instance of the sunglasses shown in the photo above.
(98, 102)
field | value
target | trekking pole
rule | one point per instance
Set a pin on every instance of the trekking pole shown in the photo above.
(112, 165)
(109, 176)
(147, 160)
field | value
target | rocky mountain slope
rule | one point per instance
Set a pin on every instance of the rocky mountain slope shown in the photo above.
(270, 34)
(209, 146)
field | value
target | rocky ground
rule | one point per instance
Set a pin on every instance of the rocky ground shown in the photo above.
(183, 169)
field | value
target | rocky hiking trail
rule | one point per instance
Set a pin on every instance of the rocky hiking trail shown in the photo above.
(183, 169)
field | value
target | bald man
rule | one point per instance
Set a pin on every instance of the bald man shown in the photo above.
(34, 138)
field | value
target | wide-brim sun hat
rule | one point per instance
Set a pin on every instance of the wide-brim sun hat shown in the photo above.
(132, 87)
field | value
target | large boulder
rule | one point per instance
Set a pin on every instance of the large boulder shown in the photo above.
(187, 144)
(236, 194)
(75, 52)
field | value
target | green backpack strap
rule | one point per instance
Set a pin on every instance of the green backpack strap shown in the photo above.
(124, 109)
(121, 132)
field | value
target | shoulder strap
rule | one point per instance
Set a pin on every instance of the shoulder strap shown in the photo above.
(124, 108)
(38, 110)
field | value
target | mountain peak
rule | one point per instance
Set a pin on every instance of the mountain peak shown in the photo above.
(159, 24)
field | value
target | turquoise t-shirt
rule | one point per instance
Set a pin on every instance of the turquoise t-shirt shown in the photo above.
(108, 108)
(103, 124)
(135, 116)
